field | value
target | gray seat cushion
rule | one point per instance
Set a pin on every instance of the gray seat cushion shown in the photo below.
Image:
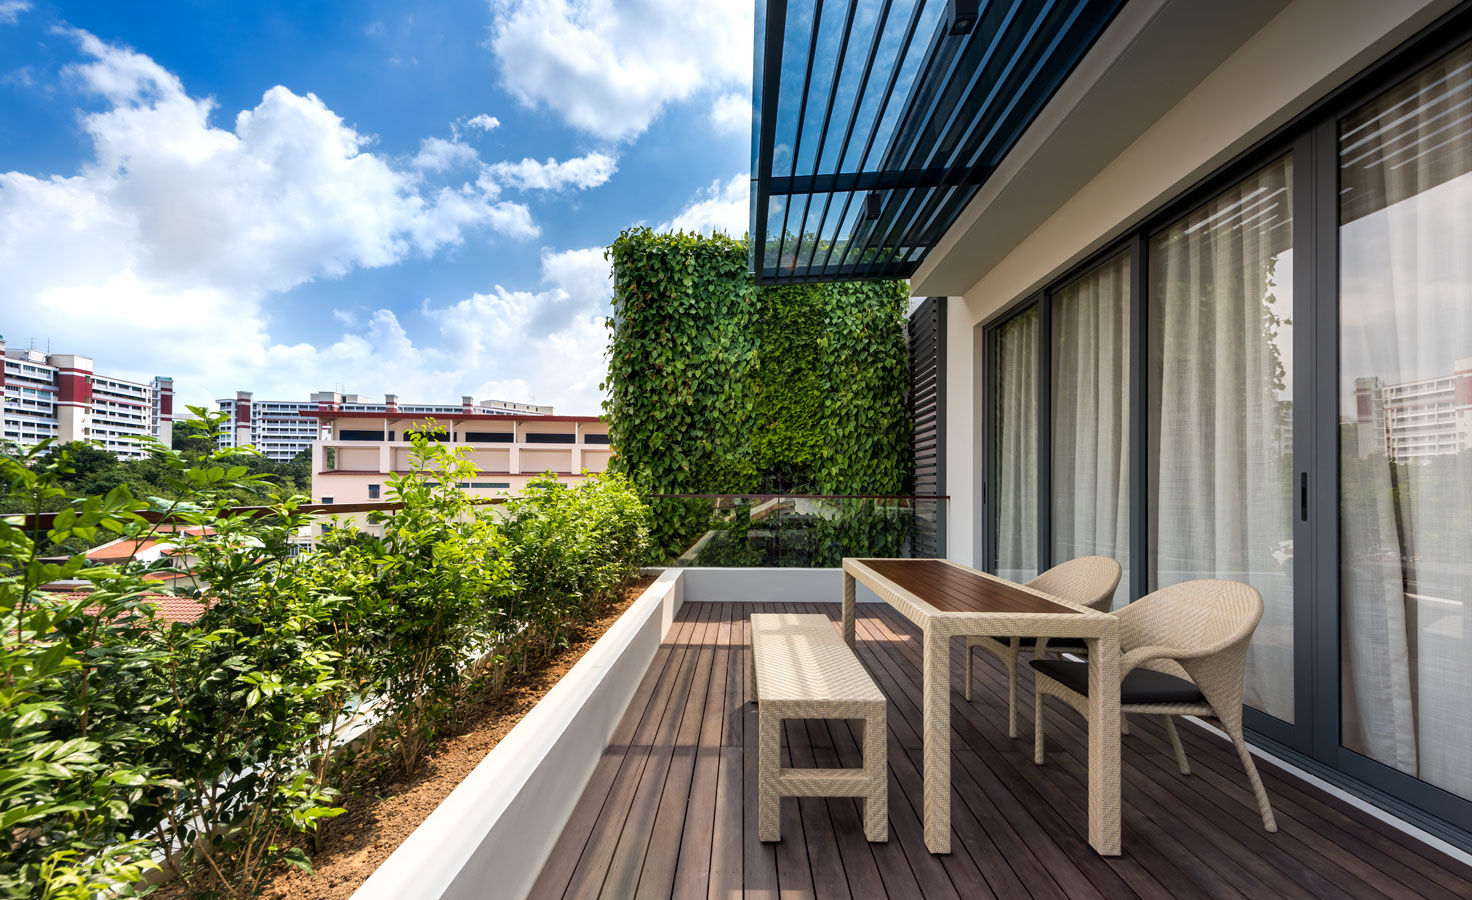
(1140, 685)
(1059, 645)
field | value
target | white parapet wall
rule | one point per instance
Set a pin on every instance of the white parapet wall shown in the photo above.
(491, 835)
(772, 585)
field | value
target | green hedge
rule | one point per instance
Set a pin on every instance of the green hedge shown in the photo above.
(718, 386)
(122, 735)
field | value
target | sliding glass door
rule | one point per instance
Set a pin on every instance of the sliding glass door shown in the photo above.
(1159, 405)
(1405, 405)
(1220, 454)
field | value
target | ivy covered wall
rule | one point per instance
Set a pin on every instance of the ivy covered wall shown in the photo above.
(718, 386)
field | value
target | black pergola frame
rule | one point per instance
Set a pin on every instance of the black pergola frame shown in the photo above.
(967, 100)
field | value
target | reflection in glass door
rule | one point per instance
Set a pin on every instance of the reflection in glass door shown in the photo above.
(1220, 417)
(1405, 407)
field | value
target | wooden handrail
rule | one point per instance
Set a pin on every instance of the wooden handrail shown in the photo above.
(45, 520)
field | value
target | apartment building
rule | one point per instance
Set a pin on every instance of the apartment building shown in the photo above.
(1415, 420)
(281, 429)
(58, 396)
(359, 449)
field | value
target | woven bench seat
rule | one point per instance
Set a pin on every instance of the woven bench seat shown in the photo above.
(802, 669)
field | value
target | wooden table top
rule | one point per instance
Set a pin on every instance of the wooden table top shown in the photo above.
(951, 588)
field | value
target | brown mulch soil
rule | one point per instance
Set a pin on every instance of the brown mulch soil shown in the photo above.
(382, 809)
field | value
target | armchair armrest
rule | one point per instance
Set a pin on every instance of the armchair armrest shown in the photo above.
(1133, 658)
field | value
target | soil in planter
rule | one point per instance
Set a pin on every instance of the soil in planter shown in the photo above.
(382, 810)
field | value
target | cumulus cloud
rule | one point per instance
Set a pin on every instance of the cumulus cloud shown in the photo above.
(580, 172)
(10, 10)
(731, 114)
(609, 68)
(288, 195)
(437, 155)
(170, 250)
(723, 207)
(483, 122)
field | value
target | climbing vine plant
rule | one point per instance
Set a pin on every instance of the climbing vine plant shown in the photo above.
(716, 385)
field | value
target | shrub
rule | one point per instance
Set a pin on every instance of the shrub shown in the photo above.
(68, 774)
(238, 703)
(211, 741)
(571, 546)
(438, 570)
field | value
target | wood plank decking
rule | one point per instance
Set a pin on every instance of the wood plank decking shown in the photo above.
(671, 809)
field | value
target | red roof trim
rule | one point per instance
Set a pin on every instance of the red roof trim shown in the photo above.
(402, 416)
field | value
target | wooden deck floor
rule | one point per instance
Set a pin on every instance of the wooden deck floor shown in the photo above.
(671, 808)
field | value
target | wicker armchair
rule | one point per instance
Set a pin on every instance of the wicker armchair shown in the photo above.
(1198, 629)
(1087, 581)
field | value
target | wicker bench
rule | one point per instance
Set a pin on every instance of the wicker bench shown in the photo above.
(802, 669)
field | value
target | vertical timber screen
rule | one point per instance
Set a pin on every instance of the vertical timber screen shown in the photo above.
(927, 338)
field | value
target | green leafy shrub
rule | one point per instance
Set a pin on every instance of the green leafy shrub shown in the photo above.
(438, 569)
(571, 546)
(238, 703)
(69, 776)
(211, 742)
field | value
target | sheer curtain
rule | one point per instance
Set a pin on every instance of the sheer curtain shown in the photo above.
(1220, 454)
(1016, 430)
(1091, 417)
(1406, 404)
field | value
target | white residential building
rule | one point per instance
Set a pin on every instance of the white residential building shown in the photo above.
(280, 430)
(1415, 419)
(56, 396)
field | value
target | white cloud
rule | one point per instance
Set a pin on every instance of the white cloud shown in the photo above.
(10, 10)
(557, 333)
(437, 155)
(609, 68)
(170, 252)
(483, 122)
(580, 172)
(289, 195)
(731, 114)
(722, 207)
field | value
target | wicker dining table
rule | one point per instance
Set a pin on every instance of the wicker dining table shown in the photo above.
(948, 600)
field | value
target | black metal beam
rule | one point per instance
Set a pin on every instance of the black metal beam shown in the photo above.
(765, 89)
(838, 182)
(963, 102)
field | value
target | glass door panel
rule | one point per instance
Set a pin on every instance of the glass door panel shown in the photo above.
(1405, 407)
(1220, 419)
(1091, 417)
(1016, 452)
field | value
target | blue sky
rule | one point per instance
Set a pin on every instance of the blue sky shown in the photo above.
(385, 197)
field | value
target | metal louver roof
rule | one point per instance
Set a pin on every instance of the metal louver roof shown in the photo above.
(876, 125)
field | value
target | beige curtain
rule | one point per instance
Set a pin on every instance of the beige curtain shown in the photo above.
(1406, 464)
(1091, 417)
(1220, 455)
(1016, 429)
